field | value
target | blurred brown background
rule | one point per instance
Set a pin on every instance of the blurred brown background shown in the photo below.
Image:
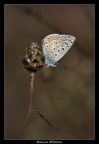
(64, 95)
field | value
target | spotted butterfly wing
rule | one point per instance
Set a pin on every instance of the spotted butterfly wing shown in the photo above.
(55, 46)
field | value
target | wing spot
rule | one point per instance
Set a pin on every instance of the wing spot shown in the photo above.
(62, 48)
(66, 43)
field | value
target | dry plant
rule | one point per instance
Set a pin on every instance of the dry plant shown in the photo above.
(33, 61)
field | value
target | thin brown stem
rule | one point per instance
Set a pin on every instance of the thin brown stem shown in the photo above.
(25, 124)
(32, 76)
(45, 119)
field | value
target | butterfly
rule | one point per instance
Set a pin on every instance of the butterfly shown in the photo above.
(55, 46)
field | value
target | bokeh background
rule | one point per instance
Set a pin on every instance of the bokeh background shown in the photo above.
(65, 94)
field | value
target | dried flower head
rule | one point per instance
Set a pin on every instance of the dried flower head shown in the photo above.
(33, 59)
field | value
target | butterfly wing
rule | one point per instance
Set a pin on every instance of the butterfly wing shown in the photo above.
(50, 45)
(55, 46)
(67, 42)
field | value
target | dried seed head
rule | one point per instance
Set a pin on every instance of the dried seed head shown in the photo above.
(33, 59)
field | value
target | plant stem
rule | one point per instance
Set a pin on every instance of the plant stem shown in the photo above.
(32, 77)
